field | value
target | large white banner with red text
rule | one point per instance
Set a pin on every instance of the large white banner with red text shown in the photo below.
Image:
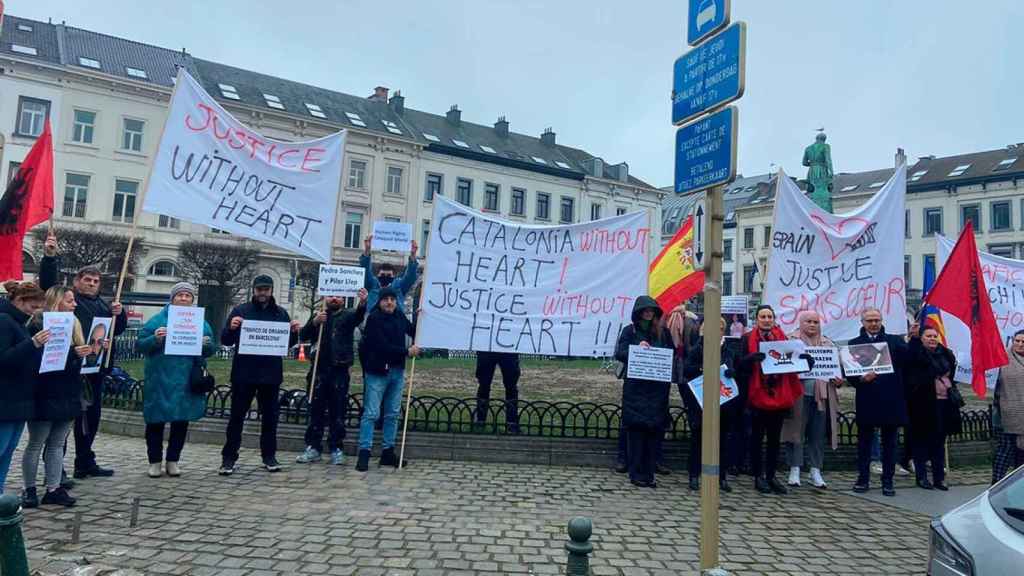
(495, 285)
(838, 264)
(211, 169)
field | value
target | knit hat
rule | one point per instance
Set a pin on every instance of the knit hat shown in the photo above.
(183, 287)
(388, 293)
(263, 281)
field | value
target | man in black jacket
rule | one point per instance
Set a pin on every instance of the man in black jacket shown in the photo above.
(90, 305)
(383, 351)
(255, 376)
(330, 392)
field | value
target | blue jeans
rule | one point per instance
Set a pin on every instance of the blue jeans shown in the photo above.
(382, 393)
(10, 433)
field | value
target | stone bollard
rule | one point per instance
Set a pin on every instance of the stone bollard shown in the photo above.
(13, 561)
(579, 546)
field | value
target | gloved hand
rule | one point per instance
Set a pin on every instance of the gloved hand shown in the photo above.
(810, 360)
(729, 373)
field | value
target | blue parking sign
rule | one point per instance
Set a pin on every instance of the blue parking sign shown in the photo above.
(705, 18)
(706, 151)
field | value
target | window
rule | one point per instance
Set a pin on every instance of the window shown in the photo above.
(906, 271)
(425, 237)
(132, 139)
(1004, 250)
(727, 250)
(357, 174)
(136, 72)
(487, 149)
(906, 224)
(460, 143)
(1004, 164)
(394, 180)
(972, 214)
(849, 188)
(24, 50)
(431, 137)
(876, 184)
(464, 191)
(273, 101)
(315, 110)
(917, 175)
(929, 260)
(959, 170)
(355, 119)
(12, 171)
(748, 238)
(538, 160)
(620, 211)
(562, 165)
(491, 197)
(85, 124)
(353, 229)
(748, 278)
(726, 283)
(24, 27)
(32, 114)
(518, 202)
(543, 206)
(163, 268)
(76, 191)
(595, 212)
(168, 222)
(125, 192)
(767, 236)
(932, 221)
(89, 62)
(391, 126)
(1001, 219)
(435, 185)
(228, 91)
(568, 212)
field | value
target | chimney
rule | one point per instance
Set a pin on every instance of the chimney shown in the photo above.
(901, 157)
(595, 167)
(548, 137)
(621, 172)
(380, 94)
(501, 127)
(454, 115)
(397, 102)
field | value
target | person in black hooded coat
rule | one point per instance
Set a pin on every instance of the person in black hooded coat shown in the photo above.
(644, 402)
(933, 415)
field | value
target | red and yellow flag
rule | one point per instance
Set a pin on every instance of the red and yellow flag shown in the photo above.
(671, 278)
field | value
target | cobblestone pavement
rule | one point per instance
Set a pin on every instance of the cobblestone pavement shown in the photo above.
(450, 518)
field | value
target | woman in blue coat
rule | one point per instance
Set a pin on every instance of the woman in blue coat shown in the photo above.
(167, 396)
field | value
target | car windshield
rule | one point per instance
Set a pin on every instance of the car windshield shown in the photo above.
(1007, 498)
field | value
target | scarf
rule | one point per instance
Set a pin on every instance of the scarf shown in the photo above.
(822, 389)
(1011, 396)
(677, 325)
(772, 391)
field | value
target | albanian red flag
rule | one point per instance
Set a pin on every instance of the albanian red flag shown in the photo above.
(27, 201)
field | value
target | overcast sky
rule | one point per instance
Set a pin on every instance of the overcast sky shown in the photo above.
(932, 76)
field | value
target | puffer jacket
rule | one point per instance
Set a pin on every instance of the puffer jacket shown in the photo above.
(644, 402)
(18, 370)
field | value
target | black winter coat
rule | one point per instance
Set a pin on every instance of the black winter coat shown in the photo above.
(644, 402)
(256, 369)
(883, 402)
(695, 368)
(58, 395)
(921, 397)
(338, 346)
(19, 365)
(382, 346)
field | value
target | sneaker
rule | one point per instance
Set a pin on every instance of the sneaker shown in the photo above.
(888, 491)
(940, 486)
(172, 469)
(876, 467)
(29, 498)
(762, 486)
(309, 456)
(816, 480)
(662, 470)
(907, 470)
(271, 465)
(924, 484)
(65, 482)
(776, 486)
(101, 472)
(794, 476)
(156, 470)
(621, 467)
(227, 468)
(694, 483)
(861, 486)
(58, 497)
(723, 484)
(337, 457)
(363, 462)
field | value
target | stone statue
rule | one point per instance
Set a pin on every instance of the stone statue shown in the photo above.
(818, 159)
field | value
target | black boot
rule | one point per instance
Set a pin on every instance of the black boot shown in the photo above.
(694, 483)
(762, 485)
(29, 498)
(389, 458)
(363, 463)
(777, 486)
(723, 484)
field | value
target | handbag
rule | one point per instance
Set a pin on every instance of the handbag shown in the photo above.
(200, 381)
(954, 420)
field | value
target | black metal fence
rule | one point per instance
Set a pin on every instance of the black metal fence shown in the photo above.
(560, 419)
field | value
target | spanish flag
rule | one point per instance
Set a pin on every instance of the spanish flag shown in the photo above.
(671, 278)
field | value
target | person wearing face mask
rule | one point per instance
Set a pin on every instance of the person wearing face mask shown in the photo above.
(930, 370)
(881, 403)
(167, 394)
(255, 376)
(17, 398)
(694, 413)
(770, 396)
(385, 277)
(1008, 412)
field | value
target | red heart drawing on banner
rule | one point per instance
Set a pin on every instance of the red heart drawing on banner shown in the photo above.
(838, 230)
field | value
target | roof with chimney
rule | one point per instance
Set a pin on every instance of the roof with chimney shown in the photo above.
(676, 207)
(445, 134)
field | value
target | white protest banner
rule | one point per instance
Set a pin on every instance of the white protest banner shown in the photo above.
(211, 169)
(1004, 278)
(727, 388)
(650, 364)
(735, 312)
(394, 236)
(782, 356)
(494, 285)
(826, 363)
(184, 331)
(55, 354)
(263, 338)
(838, 264)
(859, 359)
(99, 335)
(341, 281)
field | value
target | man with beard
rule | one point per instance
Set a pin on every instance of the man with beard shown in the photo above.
(330, 386)
(255, 376)
(385, 277)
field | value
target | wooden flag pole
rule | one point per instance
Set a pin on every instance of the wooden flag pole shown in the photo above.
(412, 376)
(316, 359)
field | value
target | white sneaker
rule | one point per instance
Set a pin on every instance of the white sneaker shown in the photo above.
(172, 469)
(794, 476)
(310, 455)
(876, 467)
(816, 480)
(156, 470)
(338, 458)
(901, 471)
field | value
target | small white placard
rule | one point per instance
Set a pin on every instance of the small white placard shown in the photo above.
(859, 359)
(734, 312)
(262, 338)
(99, 334)
(727, 388)
(55, 353)
(826, 363)
(184, 331)
(650, 364)
(782, 357)
(343, 281)
(395, 236)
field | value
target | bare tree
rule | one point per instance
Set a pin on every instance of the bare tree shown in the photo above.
(81, 246)
(222, 270)
(307, 279)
